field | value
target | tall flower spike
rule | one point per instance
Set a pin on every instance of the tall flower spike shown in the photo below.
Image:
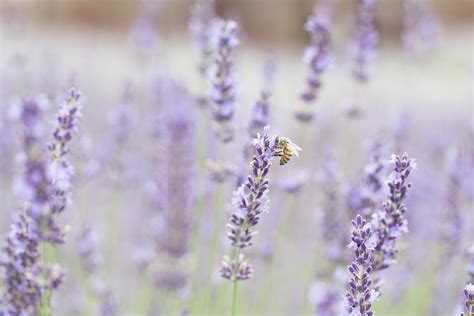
(365, 40)
(21, 257)
(61, 170)
(91, 262)
(316, 55)
(249, 201)
(260, 114)
(421, 26)
(200, 27)
(389, 223)
(22, 271)
(367, 196)
(223, 80)
(361, 295)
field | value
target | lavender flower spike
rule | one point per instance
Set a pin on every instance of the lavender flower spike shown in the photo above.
(469, 299)
(91, 263)
(316, 55)
(60, 169)
(22, 270)
(365, 40)
(200, 26)
(361, 295)
(250, 200)
(223, 81)
(389, 223)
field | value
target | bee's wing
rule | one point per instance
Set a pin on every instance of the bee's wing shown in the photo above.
(296, 149)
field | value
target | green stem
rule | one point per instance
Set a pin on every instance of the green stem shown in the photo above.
(215, 236)
(234, 297)
(47, 256)
(235, 283)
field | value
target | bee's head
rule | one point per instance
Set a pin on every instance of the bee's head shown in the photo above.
(281, 141)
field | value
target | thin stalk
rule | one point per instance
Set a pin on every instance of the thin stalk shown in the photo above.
(235, 285)
(215, 237)
(234, 297)
(200, 202)
(47, 256)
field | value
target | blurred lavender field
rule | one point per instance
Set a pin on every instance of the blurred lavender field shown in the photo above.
(144, 144)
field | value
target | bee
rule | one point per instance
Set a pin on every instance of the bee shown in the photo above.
(285, 149)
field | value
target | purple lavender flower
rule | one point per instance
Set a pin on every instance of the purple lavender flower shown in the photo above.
(389, 223)
(60, 169)
(260, 114)
(22, 270)
(316, 54)
(331, 218)
(361, 295)
(173, 225)
(200, 27)
(366, 197)
(120, 118)
(326, 298)
(469, 299)
(421, 26)
(365, 40)
(258, 121)
(142, 31)
(36, 186)
(223, 81)
(91, 262)
(250, 200)
(454, 220)
(468, 291)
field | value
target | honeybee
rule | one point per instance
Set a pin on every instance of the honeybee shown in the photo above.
(285, 149)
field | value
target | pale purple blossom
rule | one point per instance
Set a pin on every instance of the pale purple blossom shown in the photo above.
(421, 26)
(361, 293)
(223, 80)
(250, 200)
(365, 40)
(389, 223)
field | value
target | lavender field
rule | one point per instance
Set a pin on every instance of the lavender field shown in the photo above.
(252, 157)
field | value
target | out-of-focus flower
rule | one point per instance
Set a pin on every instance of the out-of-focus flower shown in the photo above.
(326, 298)
(91, 262)
(421, 26)
(331, 220)
(173, 223)
(316, 55)
(223, 80)
(201, 28)
(20, 260)
(260, 114)
(293, 184)
(365, 40)
(142, 32)
(366, 197)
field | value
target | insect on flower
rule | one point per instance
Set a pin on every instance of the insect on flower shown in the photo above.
(285, 149)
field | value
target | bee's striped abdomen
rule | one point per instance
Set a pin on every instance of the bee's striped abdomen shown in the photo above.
(287, 154)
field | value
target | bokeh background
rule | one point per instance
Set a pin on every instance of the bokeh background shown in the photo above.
(420, 103)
